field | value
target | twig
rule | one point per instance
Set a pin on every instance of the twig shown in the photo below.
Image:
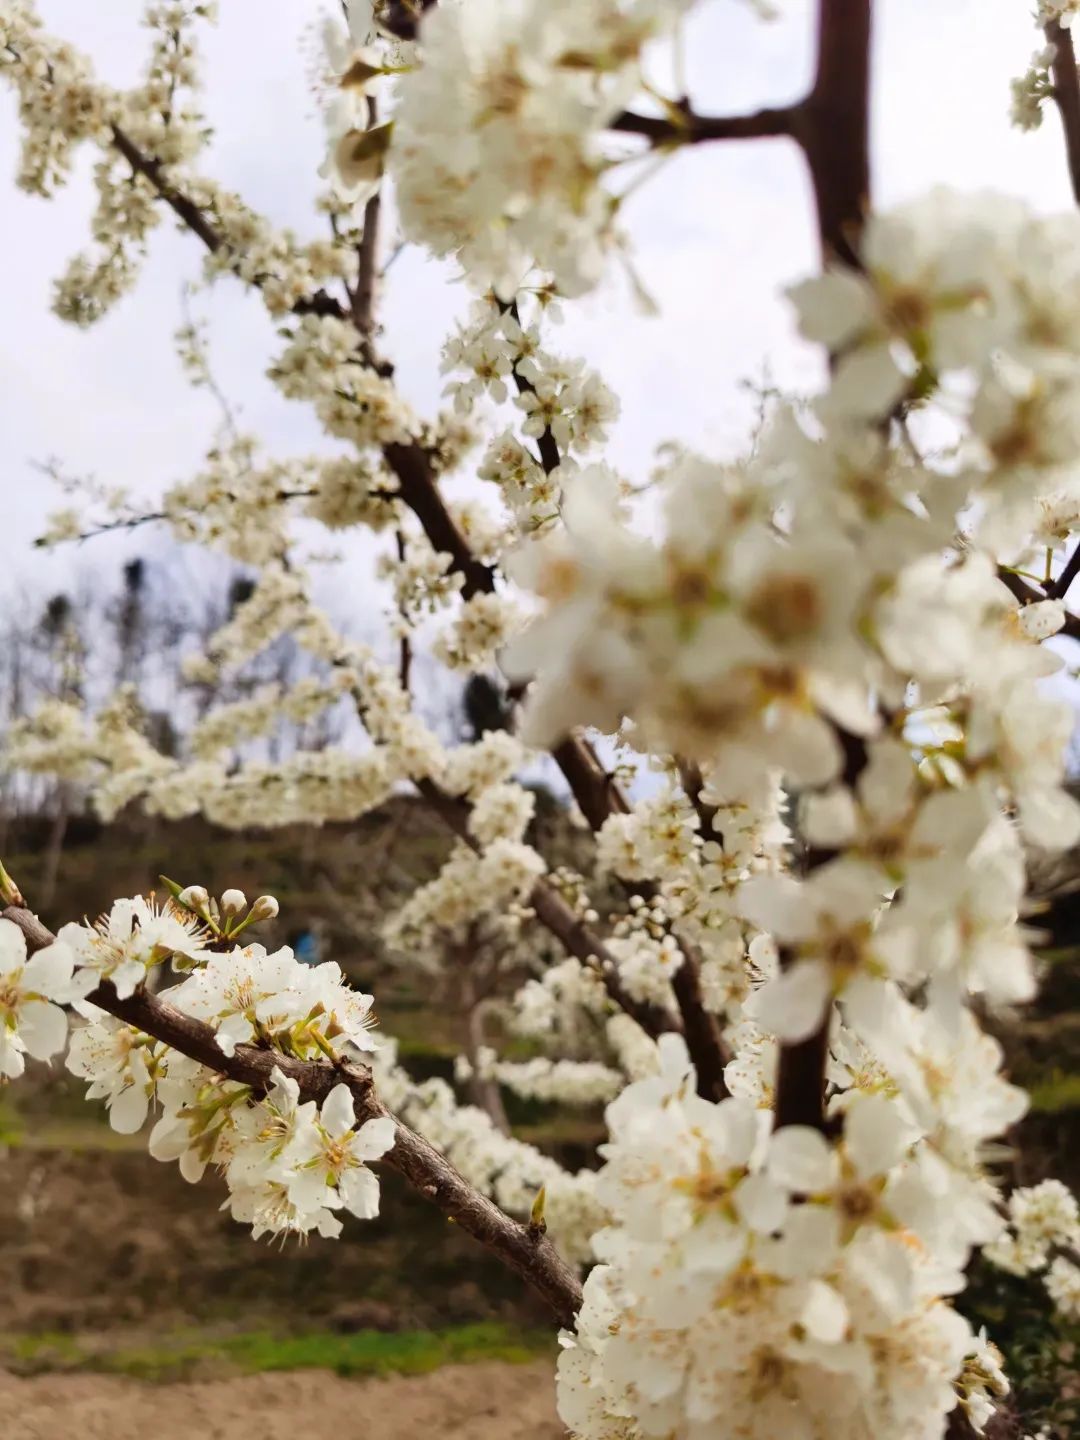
(692, 129)
(405, 645)
(205, 374)
(193, 217)
(1059, 588)
(363, 297)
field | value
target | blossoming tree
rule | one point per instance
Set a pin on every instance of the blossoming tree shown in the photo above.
(847, 627)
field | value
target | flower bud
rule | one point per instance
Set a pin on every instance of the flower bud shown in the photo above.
(264, 908)
(194, 897)
(233, 902)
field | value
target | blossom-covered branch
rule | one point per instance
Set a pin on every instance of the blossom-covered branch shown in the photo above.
(521, 1247)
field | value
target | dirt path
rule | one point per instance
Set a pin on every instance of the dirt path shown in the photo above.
(485, 1401)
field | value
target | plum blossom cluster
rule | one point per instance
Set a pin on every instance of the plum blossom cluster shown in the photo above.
(33, 991)
(62, 106)
(490, 886)
(699, 858)
(242, 508)
(323, 364)
(562, 1082)
(290, 1166)
(1031, 89)
(148, 139)
(1043, 1238)
(564, 409)
(523, 96)
(768, 1282)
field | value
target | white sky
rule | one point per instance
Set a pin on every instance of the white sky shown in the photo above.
(717, 234)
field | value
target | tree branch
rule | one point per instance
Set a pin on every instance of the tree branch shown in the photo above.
(692, 129)
(420, 492)
(519, 1247)
(404, 644)
(363, 297)
(800, 1084)
(576, 937)
(704, 1038)
(1067, 95)
(1057, 589)
(833, 129)
(833, 126)
(193, 217)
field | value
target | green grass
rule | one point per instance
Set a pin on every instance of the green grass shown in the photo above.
(79, 1136)
(1057, 1092)
(366, 1352)
(11, 1124)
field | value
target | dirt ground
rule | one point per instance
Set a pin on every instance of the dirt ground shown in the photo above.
(102, 1248)
(95, 1242)
(485, 1401)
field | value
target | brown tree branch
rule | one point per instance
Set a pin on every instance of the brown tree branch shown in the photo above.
(520, 1247)
(833, 129)
(363, 296)
(1058, 588)
(693, 129)
(583, 942)
(833, 126)
(1067, 95)
(195, 219)
(704, 1038)
(800, 1083)
(595, 789)
(183, 207)
(404, 644)
(419, 489)
(574, 934)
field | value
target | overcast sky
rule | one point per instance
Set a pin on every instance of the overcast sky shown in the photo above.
(717, 235)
